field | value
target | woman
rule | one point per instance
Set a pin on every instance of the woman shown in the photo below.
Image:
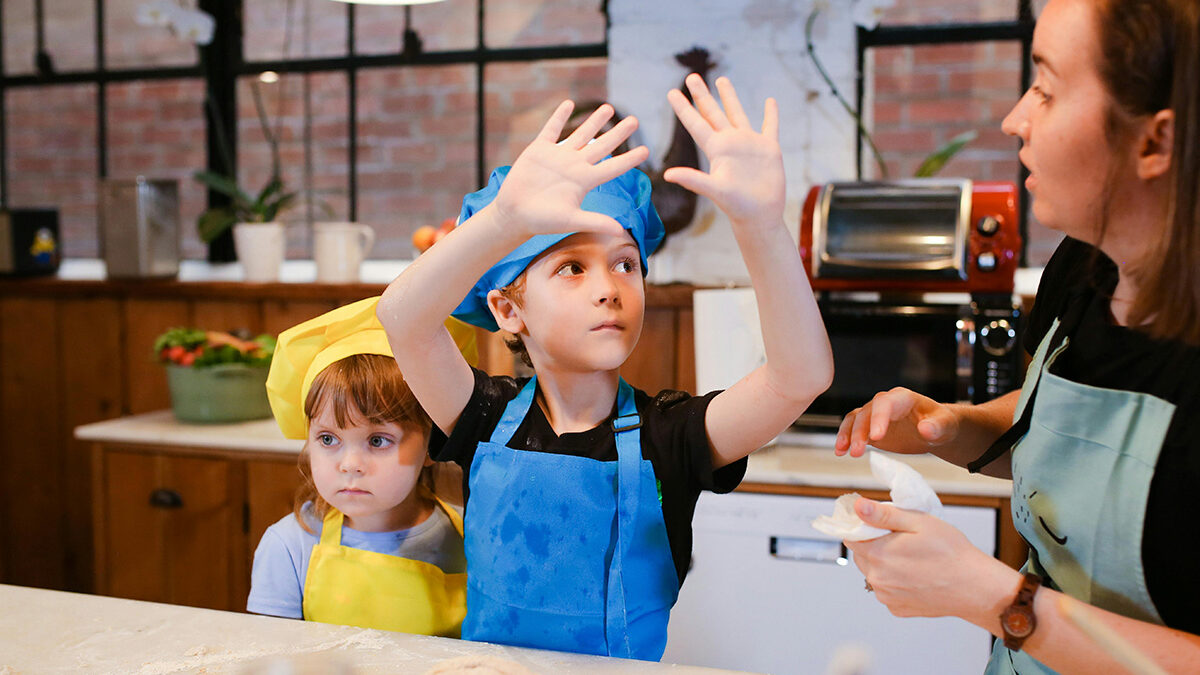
(1104, 453)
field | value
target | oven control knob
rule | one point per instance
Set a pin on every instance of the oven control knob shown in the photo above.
(986, 261)
(988, 226)
(998, 337)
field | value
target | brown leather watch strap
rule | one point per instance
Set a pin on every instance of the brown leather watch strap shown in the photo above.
(1018, 620)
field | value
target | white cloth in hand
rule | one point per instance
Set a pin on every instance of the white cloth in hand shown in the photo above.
(909, 491)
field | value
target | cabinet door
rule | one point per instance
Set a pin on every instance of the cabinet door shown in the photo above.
(271, 494)
(173, 529)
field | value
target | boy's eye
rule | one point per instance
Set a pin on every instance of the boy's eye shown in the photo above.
(569, 269)
(626, 266)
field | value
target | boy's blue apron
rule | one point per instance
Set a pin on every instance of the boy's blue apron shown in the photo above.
(1081, 477)
(564, 552)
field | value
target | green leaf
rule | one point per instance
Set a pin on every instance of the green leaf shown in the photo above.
(283, 203)
(223, 184)
(938, 158)
(215, 221)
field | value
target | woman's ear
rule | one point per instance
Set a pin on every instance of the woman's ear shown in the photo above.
(1156, 146)
(505, 312)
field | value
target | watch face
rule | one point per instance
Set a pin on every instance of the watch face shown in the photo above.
(1017, 623)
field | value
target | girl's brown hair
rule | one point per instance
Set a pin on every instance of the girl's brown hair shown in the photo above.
(1150, 61)
(361, 387)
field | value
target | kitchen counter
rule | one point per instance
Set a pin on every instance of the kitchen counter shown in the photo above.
(55, 632)
(804, 459)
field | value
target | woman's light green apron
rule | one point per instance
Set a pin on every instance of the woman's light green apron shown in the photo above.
(1081, 477)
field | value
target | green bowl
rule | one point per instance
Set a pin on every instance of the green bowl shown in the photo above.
(228, 392)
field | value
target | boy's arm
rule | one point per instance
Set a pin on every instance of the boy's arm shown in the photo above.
(541, 194)
(745, 180)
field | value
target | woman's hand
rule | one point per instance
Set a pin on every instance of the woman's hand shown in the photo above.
(745, 167)
(926, 567)
(548, 181)
(897, 420)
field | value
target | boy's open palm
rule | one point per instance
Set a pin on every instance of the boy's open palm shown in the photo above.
(745, 167)
(546, 185)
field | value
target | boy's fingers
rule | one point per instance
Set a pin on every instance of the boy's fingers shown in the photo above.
(692, 179)
(554, 126)
(587, 130)
(589, 221)
(770, 127)
(705, 103)
(733, 106)
(615, 166)
(608, 141)
(689, 117)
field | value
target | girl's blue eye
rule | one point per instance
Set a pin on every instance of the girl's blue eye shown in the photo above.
(326, 439)
(379, 441)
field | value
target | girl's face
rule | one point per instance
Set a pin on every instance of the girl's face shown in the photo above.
(1061, 122)
(368, 471)
(583, 303)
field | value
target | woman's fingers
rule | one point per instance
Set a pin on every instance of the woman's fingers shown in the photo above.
(842, 442)
(587, 130)
(553, 127)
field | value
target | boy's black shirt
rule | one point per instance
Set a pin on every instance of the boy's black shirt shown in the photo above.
(1104, 354)
(673, 440)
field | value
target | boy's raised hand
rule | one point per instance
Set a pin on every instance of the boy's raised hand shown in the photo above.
(745, 167)
(548, 181)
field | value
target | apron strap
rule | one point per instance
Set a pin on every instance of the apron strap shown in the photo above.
(331, 529)
(628, 436)
(455, 519)
(514, 414)
(1071, 320)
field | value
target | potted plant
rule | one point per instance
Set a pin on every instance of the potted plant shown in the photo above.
(216, 376)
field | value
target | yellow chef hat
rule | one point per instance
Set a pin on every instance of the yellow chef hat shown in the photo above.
(306, 349)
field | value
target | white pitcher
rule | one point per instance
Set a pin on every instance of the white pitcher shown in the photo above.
(339, 249)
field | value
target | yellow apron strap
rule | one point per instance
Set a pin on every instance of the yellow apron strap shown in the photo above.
(455, 519)
(331, 529)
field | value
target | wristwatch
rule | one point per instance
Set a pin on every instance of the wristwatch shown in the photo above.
(1017, 620)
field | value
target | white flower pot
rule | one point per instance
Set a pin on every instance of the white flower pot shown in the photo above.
(259, 249)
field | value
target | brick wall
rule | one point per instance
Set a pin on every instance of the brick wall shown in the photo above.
(416, 129)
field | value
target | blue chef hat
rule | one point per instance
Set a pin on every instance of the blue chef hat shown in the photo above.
(626, 198)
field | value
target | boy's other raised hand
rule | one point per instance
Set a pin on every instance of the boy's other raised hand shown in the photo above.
(547, 183)
(745, 167)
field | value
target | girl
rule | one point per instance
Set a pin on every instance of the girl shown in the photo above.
(369, 543)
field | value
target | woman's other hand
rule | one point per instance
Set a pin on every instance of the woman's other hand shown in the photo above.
(897, 420)
(926, 567)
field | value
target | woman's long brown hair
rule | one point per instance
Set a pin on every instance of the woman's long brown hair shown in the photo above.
(1150, 61)
(365, 387)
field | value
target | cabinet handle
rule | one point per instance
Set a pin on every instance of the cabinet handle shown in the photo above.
(164, 498)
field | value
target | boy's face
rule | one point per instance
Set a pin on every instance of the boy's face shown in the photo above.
(583, 303)
(367, 471)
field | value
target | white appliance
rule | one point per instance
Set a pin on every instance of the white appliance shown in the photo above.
(768, 593)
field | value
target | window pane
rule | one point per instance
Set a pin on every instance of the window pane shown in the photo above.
(416, 150)
(525, 23)
(313, 28)
(69, 35)
(129, 45)
(156, 129)
(949, 11)
(52, 159)
(297, 107)
(521, 96)
(442, 26)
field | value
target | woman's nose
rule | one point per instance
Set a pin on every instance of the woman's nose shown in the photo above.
(1016, 122)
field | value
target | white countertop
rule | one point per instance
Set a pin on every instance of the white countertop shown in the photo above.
(45, 631)
(796, 459)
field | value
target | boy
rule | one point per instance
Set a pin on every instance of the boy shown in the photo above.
(568, 549)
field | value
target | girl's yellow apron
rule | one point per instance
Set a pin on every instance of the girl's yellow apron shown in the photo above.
(354, 587)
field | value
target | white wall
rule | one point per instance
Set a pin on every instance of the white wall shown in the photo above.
(759, 45)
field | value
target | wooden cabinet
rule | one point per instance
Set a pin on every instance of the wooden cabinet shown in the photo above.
(179, 525)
